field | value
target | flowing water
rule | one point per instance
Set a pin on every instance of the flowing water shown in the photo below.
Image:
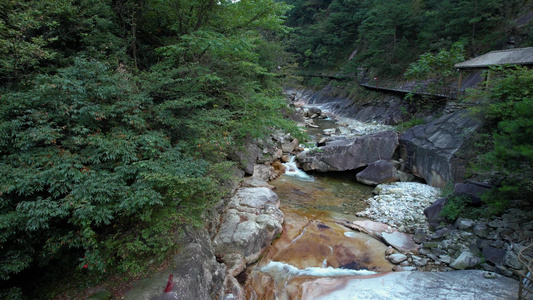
(312, 245)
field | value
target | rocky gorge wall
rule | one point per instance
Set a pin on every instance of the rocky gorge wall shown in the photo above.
(437, 151)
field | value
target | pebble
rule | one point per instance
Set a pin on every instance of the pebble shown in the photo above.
(401, 205)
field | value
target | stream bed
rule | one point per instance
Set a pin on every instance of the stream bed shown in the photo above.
(312, 245)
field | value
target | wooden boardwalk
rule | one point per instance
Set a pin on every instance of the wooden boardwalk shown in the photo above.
(445, 92)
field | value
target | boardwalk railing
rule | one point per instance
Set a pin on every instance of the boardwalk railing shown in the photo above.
(525, 289)
(447, 92)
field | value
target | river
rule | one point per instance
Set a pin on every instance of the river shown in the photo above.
(312, 245)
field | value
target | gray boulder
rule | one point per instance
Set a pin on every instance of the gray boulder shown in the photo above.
(247, 157)
(380, 171)
(251, 221)
(437, 151)
(196, 272)
(466, 260)
(350, 154)
(494, 255)
(432, 213)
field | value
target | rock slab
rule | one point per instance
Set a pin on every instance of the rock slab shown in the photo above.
(378, 172)
(350, 154)
(460, 285)
(436, 151)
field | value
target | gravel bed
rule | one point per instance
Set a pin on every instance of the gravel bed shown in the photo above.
(401, 205)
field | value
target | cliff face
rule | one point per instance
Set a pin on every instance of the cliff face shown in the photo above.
(437, 151)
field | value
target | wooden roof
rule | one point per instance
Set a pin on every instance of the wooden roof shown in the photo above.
(517, 56)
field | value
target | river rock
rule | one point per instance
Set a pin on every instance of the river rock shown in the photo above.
(350, 154)
(396, 258)
(511, 260)
(466, 260)
(433, 149)
(432, 212)
(251, 221)
(378, 172)
(196, 272)
(467, 284)
(402, 242)
(494, 255)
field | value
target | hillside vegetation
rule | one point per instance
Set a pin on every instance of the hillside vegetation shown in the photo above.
(116, 118)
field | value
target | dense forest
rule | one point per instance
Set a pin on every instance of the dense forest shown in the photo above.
(388, 35)
(117, 117)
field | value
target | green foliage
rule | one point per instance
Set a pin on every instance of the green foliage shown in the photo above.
(459, 206)
(102, 159)
(437, 66)
(508, 110)
(389, 35)
(78, 157)
(408, 124)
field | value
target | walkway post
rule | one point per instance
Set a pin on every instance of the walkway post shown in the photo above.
(377, 81)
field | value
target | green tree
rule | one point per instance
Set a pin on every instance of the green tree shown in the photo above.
(508, 111)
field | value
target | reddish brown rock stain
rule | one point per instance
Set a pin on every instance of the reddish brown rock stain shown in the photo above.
(313, 246)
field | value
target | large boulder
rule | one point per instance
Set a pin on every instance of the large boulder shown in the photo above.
(247, 157)
(350, 154)
(437, 151)
(251, 221)
(467, 284)
(196, 272)
(381, 171)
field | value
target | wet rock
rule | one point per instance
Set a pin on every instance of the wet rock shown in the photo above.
(350, 154)
(380, 171)
(465, 261)
(494, 255)
(432, 148)
(396, 258)
(314, 111)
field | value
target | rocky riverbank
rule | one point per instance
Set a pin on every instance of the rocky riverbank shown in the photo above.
(490, 244)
